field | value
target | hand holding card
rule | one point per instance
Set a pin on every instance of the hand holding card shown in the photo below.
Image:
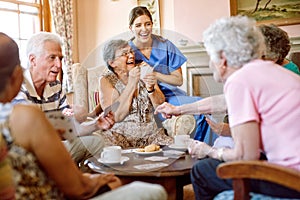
(145, 69)
(63, 123)
(113, 107)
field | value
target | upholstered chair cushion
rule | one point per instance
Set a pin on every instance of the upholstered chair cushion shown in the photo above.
(93, 76)
(80, 83)
(180, 125)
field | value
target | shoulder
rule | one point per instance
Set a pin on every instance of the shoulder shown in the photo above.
(159, 38)
(108, 78)
(26, 114)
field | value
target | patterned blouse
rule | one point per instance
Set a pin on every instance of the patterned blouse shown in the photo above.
(30, 180)
(139, 128)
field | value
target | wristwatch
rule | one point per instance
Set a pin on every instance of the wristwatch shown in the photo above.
(151, 91)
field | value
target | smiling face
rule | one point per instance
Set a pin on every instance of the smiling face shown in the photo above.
(124, 60)
(142, 29)
(47, 65)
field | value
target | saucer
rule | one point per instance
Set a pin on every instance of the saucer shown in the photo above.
(174, 146)
(123, 159)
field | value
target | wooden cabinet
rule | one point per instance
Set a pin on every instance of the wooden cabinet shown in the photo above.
(198, 78)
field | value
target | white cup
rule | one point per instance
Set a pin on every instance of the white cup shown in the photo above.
(181, 140)
(111, 154)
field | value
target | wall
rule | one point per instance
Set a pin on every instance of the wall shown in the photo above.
(100, 20)
(192, 18)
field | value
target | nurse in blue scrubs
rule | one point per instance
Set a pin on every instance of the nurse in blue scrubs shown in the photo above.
(165, 59)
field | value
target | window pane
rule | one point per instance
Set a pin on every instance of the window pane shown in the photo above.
(30, 1)
(29, 24)
(7, 5)
(29, 9)
(22, 48)
(20, 22)
(10, 25)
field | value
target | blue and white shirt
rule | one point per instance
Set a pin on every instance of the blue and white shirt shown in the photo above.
(54, 98)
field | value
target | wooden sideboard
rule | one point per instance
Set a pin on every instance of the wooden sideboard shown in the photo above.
(198, 78)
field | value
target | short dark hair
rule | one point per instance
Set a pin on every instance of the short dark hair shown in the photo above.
(277, 43)
(9, 58)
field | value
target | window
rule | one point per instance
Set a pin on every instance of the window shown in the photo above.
(20, 19)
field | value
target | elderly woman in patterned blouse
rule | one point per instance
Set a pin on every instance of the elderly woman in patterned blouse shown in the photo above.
(135, 124)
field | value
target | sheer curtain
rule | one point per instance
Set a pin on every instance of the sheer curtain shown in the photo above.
(62, 14)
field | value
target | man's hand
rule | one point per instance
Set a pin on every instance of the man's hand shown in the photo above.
(68, 112)
(167, 110)
(106, 122)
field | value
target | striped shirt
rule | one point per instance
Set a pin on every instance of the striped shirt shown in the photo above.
(54, 98)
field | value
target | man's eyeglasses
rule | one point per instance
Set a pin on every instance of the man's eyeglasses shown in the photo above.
(125, 53)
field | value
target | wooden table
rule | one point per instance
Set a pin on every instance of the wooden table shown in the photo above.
(172, 178)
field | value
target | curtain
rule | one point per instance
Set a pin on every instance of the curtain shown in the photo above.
(62, 15)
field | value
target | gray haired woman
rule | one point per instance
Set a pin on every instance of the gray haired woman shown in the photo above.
(135, 124)
(261, 111)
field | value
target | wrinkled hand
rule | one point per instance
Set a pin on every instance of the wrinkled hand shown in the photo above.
(167, 110)
(68, 112)
(199, 149)
(219, 128)
(150, 80)
(106, 122)
(134, 75)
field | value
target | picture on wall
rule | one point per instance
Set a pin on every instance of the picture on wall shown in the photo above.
(153, 7)
(278, 12)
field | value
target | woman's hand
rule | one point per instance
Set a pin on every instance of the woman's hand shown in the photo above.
(150, 81)
(167, 110)
(96, 181)
(199, 149)
(134, 75)
(219, 128)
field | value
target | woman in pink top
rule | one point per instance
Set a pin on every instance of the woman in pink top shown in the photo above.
(262, 111)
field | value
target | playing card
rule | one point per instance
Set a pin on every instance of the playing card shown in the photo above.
(145, 69)
(211, 118)
(156, 158)
(63, 122)
(112, 108)
(173, 152)
(150, 166)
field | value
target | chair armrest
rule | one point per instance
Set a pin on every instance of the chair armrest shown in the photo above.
(262, 170)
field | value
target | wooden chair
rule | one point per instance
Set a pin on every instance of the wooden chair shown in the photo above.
(242, 171)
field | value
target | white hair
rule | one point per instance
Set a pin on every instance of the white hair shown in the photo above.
(35, 45)
(237, 38)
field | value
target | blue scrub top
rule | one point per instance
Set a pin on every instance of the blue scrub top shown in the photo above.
(165, 58)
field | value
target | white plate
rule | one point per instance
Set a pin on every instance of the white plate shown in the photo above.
(173, 146)
(146, 153)
(123, 159)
